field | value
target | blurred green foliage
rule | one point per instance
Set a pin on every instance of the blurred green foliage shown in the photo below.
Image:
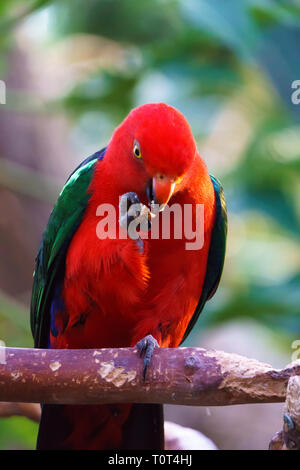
(224, 65)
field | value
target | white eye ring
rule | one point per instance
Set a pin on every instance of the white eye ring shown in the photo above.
(137, 150)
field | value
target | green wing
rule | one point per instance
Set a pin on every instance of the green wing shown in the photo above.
(216, 254)
(50, 261)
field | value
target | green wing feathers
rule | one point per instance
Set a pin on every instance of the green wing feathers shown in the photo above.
(216, 255)
(50, 261)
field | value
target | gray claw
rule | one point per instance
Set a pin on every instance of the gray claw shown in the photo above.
(132, 217)
(146, 348)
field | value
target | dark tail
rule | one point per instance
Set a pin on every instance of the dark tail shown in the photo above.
(114, 427)
(144, 429)
(54, 429)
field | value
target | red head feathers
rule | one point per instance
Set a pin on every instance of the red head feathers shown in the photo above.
(154, 146)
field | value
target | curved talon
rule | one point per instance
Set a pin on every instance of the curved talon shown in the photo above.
(127, 201)
(131, 209)
(146, 348)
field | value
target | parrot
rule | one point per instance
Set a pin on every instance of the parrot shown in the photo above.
(126, 291)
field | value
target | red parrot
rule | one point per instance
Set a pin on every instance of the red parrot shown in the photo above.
(118, 291)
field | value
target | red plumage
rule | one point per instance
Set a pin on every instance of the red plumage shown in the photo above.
(115, 295)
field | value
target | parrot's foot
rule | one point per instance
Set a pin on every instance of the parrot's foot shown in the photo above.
(129, 209)
(133, 216)
(146, 348)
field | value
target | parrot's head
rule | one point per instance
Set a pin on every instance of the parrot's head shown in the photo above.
(155, 149)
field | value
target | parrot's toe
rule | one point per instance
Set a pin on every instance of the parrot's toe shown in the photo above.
(134, 216)
(146, 348)
(129, 209)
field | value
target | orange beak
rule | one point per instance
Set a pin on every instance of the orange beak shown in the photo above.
(162, 189)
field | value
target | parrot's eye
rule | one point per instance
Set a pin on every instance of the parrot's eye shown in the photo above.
(137, 150)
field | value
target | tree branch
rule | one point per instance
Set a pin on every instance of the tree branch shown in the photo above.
(185, 376)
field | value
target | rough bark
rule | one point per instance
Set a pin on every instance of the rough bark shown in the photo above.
(186, 376)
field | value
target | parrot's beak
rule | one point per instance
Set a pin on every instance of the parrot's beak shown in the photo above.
(160, 189)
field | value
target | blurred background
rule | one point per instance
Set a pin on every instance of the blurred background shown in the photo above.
(73, 70)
